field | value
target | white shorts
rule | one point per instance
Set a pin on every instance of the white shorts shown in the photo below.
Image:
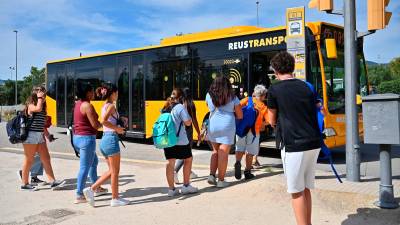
(246, 144)
(299, 168)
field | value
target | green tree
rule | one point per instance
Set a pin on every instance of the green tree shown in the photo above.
(394, 67)
(378, 74)
(37, 77)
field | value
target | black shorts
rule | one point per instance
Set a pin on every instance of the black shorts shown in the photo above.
(178, 152)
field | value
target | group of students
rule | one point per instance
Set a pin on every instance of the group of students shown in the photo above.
(290, 109)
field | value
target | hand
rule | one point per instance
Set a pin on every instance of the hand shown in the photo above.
(120, 130)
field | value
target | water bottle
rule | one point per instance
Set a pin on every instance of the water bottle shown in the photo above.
(22, 131)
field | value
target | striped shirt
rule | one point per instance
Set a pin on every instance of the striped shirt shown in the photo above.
(38, 120)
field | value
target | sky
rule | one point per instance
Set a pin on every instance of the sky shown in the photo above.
(57, 29)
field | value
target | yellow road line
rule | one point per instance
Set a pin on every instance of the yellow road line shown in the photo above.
(20, 150)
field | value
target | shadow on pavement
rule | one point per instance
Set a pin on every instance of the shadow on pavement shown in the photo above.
(375, 216)
(70, 183)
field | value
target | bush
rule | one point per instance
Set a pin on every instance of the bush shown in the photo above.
(392, 86)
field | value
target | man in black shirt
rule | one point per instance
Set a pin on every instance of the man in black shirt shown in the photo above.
(292, 111)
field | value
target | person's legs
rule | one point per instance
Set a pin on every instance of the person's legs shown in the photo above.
(37, 167)
(93, 169)
(249, 160)
(87, 149)
(169, 172)
(104, 177)
(223, 153)
(178, 165)
(214, 159)
(45, 158)
(29, 152)
(299, 204)
(187, 169)
(307, 194)
(114, 167)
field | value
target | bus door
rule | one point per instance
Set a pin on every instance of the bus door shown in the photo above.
(130, 91)
(61, 96)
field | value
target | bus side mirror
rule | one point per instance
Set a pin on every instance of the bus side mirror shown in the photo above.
(331, 51)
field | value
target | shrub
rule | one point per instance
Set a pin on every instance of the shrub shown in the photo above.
(392, 86)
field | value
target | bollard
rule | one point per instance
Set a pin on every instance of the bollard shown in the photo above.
(386, 196)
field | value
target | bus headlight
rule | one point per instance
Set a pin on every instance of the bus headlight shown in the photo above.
(329, 132)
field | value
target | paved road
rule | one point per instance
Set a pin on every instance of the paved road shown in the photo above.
(144, 151)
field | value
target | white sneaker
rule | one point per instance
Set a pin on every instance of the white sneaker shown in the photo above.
(212, 180)
(119, 202)
(222, 184)
(189, 189)
(172, 193)
(193, 175)
(89, 195)
(176, 180)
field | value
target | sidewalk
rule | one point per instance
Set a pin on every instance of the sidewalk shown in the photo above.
(260, 201)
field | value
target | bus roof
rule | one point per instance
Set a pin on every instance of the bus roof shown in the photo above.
(199, 37)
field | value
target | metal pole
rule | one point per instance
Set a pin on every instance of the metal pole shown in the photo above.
(16, 67)
(386, 196)
(258, 24)
(350, 54)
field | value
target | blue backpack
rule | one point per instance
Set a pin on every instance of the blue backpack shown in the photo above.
(17, 128)
(325, 150)
(164, 133)
(246, 124)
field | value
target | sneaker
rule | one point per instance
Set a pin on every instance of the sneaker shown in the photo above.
(248, 175)
(28, 187)
(119, 202)
(176, 180)
(212, 180)
(19, 174)
(100, 191)
(193, 175)
(189, 189)
(222, 184)
(36, 181)
(238, 170)
(172, 193)
(80, 199)
(89, 195)
(57, 184)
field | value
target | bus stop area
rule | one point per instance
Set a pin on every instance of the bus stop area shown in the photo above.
(142, 181)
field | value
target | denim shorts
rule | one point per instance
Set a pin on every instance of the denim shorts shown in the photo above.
(34, 138)
(109, 144)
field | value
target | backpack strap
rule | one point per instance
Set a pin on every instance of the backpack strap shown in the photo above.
(324, 148)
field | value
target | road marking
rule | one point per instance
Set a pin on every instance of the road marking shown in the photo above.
(20, 150)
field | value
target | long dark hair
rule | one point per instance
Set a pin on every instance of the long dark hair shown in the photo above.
(82, 88)
(189, 103)
(111, 88)
(176, 97)
(221, 91)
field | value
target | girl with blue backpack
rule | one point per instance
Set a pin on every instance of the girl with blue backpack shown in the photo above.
(182, 149)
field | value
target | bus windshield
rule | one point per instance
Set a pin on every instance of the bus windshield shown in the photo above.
(334, 74)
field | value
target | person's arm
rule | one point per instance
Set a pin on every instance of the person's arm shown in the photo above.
(238, 109)
(109, 112)
(272, 115)
(39, 106)
(88, 109)
(183, 114)
(194, 120)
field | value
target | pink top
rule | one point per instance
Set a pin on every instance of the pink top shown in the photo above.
(112, 118)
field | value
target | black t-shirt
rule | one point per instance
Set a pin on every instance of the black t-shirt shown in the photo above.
(297, 126)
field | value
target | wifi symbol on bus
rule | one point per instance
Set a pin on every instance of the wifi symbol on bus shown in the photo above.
(234, 76)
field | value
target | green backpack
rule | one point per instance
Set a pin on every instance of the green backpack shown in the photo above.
(164, 133)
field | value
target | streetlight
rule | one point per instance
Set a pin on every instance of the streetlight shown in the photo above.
(11, 71)
(16, 67)
(258, 24)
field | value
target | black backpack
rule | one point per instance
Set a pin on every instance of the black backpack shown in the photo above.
(17, 128)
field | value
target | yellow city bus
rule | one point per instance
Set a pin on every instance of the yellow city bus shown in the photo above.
(146, 76)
